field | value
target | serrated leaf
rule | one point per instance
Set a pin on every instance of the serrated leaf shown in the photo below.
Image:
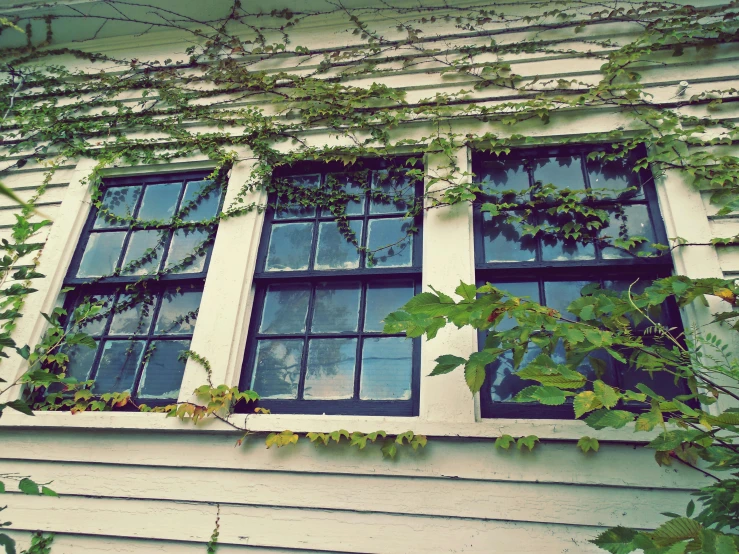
(649, 420)
(549, 396)
(618, 540)
(607, 395)
(474, 370)
(585, 402)
(468, 292)
(676, 530)
(614, 419)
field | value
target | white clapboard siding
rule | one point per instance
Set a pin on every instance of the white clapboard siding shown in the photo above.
(567, 504)
(728, 257)
(300, 529)
(552, 462)
(81, 544)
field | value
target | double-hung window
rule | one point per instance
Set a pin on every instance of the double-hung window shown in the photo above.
(324, 282)
(551, 269)
(136, 280)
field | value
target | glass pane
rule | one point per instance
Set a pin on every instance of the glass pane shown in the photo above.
(386, 369)
(159, 202)
(80, 362)
(334, 251)
(287, 210)
(562, 172)
(397, 191)
(199, 206)
(353, 207)
(187, 252)
(634, 222)
(504, 383)
(277, 368)
(660, 382)
(503, 242)
(560, 294)
(95, 315)
(144, 253)
(382, 299)
(504, 175)
(136, 319)
(178, 312)
(101, 254)
(658, 314)
(561, 249)
(285, 309)
(336, 308)
(390, 242)
(163, 369)
(119, 202)
(289, 247)
(118, 365)
(330, 373)
(615, 176)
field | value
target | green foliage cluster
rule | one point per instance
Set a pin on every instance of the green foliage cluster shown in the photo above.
(218, 101)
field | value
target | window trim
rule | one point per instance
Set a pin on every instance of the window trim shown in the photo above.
(363, 275)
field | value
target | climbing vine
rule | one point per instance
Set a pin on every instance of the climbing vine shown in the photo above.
(221, 98)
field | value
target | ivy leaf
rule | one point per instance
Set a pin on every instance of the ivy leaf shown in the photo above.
(390, 449)
(528, 441)
(474, 370)
(2, 487)
(46, 491)
(609, 418)
(27, 486)
(504, 442)
(446, 363)
(587, 444)
(618, 540)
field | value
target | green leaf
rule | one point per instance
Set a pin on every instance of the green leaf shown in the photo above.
(618, 540)
(46, 491)
(676, 530)
(468, 292)
(474, 370)
(446, 363)
(20, 406)
(607, 395)
(28, 486)
(587, 444)
(2, 487)
(585, 402)
(609, 418)
(714, 542)
(549, 396)
(504, 442)
(528, 441)
(649, 420)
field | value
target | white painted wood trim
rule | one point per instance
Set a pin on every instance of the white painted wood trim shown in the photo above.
(448, 258)
(225, 308)
(547, 429)
(55, 259)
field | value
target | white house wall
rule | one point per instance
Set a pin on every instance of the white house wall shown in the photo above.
(159, 486)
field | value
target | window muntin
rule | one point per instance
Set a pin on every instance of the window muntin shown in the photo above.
(316, 343)
(552, 271)
(158, 229)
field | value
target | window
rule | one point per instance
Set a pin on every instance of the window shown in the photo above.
(137, 275)
(552, 271)
(315, 341)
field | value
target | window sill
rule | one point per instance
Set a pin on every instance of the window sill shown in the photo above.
(545, 429)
